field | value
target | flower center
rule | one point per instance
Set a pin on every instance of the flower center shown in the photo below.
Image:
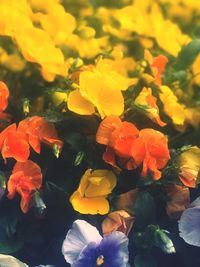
(100, 260)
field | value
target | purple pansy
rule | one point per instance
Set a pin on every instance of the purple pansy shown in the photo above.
(84, 246)
(189, 224)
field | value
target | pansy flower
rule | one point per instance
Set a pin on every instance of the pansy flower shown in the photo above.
(189, 164)
(99, 88)
(94, 187)
(10, 261)
(151, 150)
(38, 131)
(25, 178)
(4, 94)
(13, 144)
(84, 246)
(157, 65)
(189, 226)
(172, 107)
(147, 103)
(119, 137)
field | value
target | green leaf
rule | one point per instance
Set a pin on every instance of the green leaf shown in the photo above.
(187, 55)
(144, 210)
(79, 158)
(10, 246)
(145, 261)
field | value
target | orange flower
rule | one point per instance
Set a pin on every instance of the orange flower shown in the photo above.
(38, 130)
(4, 94)
(151, 150)
(119, 220)
(157, 65)
(26, 177)
(119, 137)
(13, 144)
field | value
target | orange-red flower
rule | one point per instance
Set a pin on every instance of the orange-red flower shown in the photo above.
(157, 65)
(4, 94)
(26, 177)
(13, 144)
(131, 147)
(151, 150)
(119, 137)
(38, 131)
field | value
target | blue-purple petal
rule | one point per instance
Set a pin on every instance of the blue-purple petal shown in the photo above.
(113, 248)
(189, 226)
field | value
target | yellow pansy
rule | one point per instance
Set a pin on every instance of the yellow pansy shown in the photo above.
(147, 103)
(94, 187)
(101, 89)
(195, 69)
(146, 19)
(11, 61)
(55, 20)
(87, 47)
(118, 63)
(38, 44)
(192, 116)
(189, 164)
(172, 107)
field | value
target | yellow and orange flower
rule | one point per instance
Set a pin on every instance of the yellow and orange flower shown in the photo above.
(147, 103)
(94, 187)
(25, 178)
(157, 65)
(189, 163)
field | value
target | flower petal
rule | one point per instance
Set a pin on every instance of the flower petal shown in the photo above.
(78, 104)
(81, 234)
(189, 226)
(10, 261)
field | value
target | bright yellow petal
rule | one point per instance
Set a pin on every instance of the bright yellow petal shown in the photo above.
(78, 104)
(89, 205)
(102, 183)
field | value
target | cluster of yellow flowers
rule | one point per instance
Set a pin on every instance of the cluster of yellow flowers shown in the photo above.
(93, 47)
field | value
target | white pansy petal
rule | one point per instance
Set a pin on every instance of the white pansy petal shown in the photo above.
(195, 203)
(189, 226)
(10, 261)
(81, 234)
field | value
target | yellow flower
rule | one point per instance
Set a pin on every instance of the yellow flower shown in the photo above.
(192, 116)
(55, 20)
(146, 19)
(195, 69)
(11, 61)
(147, 102)
(94, 187)
(171, 105)
(87, 47)
(100, 88)
(189, 162)
(37, 43)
